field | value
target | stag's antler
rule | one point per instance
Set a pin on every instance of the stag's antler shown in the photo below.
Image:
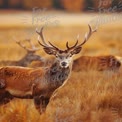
(40, 33)
(50, 45)
(87, 36)
(32, 49)
(70, 48)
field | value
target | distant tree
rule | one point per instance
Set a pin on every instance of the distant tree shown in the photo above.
(1, 3)
(57, 4)
(4, 3)
(73, 5)
(15, 3)
(29, 4)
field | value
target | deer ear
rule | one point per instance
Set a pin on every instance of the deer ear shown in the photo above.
(49, 51)
(76, 50)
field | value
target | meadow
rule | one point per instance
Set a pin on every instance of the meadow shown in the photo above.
(87, 96)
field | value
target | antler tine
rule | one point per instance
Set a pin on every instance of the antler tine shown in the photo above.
(53, 45)
(31, 43)
(67, 45)
(34, 49)
(23, 46)
(40, 33)
(50, 45)
(41, 44)
(87, 35)
(69, 48)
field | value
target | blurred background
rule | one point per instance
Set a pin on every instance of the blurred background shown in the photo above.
(68, 5)
(64, 20)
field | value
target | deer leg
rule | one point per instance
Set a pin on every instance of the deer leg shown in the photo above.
(41, 103)
(5, 97)
(2, 84)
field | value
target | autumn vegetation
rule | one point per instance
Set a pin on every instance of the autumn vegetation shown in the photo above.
(87, 96)
(68, 5)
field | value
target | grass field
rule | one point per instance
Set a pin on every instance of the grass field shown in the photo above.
(87, 96)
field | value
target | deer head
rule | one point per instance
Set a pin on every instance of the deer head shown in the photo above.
(30, 56)
(63, 57)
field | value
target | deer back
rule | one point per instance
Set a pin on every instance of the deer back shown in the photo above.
(98, 63)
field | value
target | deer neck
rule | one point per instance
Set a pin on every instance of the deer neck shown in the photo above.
(57, 75)
(24, 61)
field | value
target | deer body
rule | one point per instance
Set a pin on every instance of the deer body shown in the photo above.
(97, 63)
(21, 82)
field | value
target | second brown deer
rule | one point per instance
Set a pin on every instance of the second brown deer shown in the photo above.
(27, 59)
(97, 63)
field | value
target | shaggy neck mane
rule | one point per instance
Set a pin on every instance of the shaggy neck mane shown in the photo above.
(57, 75)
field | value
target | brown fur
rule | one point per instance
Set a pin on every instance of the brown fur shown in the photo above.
(31, 83)
(20, 79)
(98, 63)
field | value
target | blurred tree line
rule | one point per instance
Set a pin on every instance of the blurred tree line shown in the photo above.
(69, 5)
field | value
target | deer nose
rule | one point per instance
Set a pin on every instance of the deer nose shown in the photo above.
(64, 64)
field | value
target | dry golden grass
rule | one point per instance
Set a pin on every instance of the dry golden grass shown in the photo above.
(87, 96)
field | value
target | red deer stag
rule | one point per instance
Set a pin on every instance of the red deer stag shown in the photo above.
(87, 63)
(27, 59)
(41, 82)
